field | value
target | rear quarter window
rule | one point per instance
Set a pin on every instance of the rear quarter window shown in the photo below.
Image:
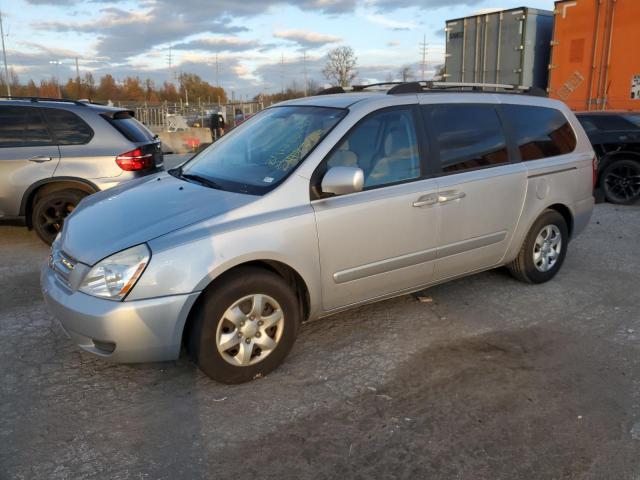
(540, 132)
(131, 128)
(67, 127)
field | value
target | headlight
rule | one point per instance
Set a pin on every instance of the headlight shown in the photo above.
(116, 275)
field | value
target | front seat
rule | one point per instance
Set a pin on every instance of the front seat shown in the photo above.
(343, 157)
(400, 161)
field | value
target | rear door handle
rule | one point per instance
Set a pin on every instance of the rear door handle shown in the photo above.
(450, 196)
(426, 200)
(40, 159)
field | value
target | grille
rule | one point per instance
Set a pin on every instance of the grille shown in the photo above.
(62, 264)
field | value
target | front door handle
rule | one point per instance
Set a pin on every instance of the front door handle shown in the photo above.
(40, 159)
(426, 200)
(450, 196)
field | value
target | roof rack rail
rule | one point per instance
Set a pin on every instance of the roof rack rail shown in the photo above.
(433, 86)
(430, 86)
(44, 99)
(355, 88)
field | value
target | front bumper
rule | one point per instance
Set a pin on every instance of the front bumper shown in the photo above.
(137, 331)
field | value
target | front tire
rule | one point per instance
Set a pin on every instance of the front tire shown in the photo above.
(543, 250)
(244, 325)
(50, 210)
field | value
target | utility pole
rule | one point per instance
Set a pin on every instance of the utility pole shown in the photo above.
(170, 64)
(306, 79)
(78, 77)
(282, 73)
(424, 47)
(217, 72)
(4, 54)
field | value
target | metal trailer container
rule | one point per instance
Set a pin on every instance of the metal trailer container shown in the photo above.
(506, 47)
(595, 62)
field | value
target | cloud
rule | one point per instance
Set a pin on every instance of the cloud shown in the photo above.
(307, 39)
(393, 43)
(224, 44)
(388, 5)
(389, 23)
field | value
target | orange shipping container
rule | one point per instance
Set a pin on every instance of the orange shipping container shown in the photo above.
(595, 60)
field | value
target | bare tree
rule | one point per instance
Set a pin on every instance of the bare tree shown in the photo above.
(406, 73)
(341, 66)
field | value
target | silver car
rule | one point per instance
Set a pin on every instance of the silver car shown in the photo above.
(53, 153)
(314, 206)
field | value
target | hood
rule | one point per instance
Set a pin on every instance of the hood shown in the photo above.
(138, 211)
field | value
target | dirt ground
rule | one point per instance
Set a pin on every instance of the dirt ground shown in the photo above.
(488, 379)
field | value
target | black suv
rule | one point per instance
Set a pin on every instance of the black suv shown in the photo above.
(615, 137)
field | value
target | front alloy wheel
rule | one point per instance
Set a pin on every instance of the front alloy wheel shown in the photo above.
(244, 325)
(249, 330)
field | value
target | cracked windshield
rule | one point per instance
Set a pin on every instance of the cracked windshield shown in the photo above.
(266, 150)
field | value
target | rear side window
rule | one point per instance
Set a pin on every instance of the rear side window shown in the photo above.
(610, 123)
(23, 127)
(131, 128)
(540, 132)
(67, 127)
(467, 136)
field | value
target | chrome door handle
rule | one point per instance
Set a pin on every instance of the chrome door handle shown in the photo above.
(426, 201)
(40, 159)
(450, 196)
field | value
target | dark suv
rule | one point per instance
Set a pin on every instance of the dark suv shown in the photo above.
(615, 137)
(55, 152)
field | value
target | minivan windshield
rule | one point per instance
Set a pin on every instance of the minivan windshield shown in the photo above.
(263, 151)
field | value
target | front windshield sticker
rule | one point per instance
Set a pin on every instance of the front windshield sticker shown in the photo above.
(267, 179)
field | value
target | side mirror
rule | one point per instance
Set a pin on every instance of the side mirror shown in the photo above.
(342, 180)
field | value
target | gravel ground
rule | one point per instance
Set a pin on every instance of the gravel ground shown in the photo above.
(488, 379)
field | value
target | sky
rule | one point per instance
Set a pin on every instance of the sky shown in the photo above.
(260, 45)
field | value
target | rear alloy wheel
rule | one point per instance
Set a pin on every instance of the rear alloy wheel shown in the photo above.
(620, 182)
(50, 210)
(543, 250)
(244, 325)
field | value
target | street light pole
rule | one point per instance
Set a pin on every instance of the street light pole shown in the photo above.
(57, 63)
(4, 54)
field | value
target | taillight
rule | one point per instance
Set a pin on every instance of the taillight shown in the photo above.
(135, 160)
(595, 163)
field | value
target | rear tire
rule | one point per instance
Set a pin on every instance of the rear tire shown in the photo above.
(50, 210)
(620, 182)
(244, 325)
(543, 250)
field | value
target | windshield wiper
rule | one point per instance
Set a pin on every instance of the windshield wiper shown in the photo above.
(201, 180)
(177, 172)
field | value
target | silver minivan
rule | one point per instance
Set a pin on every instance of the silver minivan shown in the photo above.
(314, 206)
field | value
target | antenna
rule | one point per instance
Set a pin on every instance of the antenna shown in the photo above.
(424, 48)
(4, 54)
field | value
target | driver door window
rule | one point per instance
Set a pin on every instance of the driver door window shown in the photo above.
(384, 145)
